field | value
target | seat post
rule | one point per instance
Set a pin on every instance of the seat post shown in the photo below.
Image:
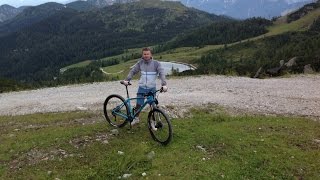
(127, 92)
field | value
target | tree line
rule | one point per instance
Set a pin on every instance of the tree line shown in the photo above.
(220, 33)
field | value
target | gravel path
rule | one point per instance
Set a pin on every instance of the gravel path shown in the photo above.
(298, 95)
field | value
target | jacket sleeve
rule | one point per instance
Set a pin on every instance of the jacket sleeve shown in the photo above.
(133, 71)
(162, 76)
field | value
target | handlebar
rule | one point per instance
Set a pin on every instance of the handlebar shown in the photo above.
(145, 95)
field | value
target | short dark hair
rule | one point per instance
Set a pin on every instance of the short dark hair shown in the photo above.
(146, 49)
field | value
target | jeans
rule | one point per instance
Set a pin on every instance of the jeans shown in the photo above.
(141, 92)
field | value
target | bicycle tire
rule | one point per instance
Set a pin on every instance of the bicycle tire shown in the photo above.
(163, 134)
(115, 100)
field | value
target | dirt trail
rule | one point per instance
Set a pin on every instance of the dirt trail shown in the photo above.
(298, 95)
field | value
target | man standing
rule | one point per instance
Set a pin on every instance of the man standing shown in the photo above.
(149, 69)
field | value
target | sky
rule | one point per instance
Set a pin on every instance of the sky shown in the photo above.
(18, 3)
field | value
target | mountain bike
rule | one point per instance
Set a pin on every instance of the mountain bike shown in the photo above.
(118, 112)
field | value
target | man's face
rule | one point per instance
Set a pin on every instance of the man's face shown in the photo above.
(146, 55)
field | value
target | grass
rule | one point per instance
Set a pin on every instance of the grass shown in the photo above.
(77, 65)
(119, 67)
(209, 145)
(301, 24)
(187, 54)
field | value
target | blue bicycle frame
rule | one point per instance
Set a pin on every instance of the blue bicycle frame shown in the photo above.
(151, 100)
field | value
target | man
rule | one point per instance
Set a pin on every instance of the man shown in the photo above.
(149, 69)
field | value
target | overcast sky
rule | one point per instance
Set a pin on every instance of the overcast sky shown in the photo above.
(18, 3)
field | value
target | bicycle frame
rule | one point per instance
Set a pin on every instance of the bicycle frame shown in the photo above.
(151, 100)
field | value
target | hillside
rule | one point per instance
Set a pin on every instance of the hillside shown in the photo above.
(8, 12)
(80, 6)
(30, 16)
(303, 11)
(242, 9)
(221, 33)
(283, 41)
(37, 52)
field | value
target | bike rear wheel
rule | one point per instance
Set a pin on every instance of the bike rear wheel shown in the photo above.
(116, 110)
(163, 134)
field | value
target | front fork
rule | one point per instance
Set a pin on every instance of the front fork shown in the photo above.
(153, 106)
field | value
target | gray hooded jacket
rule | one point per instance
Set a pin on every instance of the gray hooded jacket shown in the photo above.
(149, 71)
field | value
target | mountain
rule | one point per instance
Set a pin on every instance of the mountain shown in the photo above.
(29, 16)
(45, 10)
(97, 3)
(103, 3)
(36, 52)
(88, 5)
(8, 12)
(81, 6)
(303, 11)
(247, 8)
(239, 9)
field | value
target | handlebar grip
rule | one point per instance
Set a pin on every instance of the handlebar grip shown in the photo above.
(122, 82)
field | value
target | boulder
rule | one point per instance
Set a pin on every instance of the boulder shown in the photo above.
(257, 75)
(308, 69)
(277, 70)
(291, 62)
(274, 71)
(281, 63)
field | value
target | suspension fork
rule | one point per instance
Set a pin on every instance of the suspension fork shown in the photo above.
(153, 106)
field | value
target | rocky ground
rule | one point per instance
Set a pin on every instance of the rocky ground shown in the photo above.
(296, 95)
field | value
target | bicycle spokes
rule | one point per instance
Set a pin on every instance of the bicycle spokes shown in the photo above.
(158, 121)
(116, 110)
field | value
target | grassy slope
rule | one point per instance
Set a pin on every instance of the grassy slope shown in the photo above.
(299, 25)
(279, 27)
(77, 65)
(70, 145)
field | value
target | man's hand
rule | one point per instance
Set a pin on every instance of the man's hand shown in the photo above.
(124, 82)
(164, 89)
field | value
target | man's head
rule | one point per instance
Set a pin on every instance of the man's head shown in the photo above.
(146, 54)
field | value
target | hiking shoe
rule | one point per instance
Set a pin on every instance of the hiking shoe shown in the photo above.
(136, 120)
(153, 125)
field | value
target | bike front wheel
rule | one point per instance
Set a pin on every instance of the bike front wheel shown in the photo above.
(116, 110)
(160, 126)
